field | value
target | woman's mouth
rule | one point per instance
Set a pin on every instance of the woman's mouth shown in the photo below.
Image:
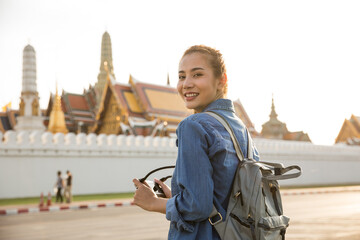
(190, 96)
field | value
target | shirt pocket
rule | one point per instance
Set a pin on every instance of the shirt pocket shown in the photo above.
(226, 144)
(222, 146)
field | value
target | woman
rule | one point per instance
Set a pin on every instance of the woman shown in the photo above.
(206, 161)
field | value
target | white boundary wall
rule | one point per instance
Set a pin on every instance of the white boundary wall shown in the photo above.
(107, 164)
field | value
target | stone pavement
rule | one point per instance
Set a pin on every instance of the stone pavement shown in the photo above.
(317, 214)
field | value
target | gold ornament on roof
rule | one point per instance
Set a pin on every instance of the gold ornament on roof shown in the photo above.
(57, 117)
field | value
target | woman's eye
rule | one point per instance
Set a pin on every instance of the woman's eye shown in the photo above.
(181, 77)
(197, 75)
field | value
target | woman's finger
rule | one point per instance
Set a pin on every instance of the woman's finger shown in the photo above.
(136, 183)
(146, 184)
(165, 188)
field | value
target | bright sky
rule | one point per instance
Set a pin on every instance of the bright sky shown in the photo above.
(306, 53)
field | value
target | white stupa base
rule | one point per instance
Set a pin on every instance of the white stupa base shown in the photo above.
(30, 123)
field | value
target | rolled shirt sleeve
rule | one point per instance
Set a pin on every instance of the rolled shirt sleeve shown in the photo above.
(192, 183)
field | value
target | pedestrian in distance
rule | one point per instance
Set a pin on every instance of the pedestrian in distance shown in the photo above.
(67, 191)
(206, 161)
(59, 185)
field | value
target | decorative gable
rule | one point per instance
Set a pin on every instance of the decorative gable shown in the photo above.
(350, 131)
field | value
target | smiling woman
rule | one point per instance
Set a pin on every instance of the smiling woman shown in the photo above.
(206, 160)
(202, 77)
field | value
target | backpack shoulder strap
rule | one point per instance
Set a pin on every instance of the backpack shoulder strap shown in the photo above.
(214, 213)
(228, 128)
(250, 146)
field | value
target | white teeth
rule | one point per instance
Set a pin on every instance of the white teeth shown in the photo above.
(191, 94)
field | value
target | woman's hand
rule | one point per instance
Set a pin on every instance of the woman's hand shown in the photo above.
(144, 195)
(165, 188)
(146, 198)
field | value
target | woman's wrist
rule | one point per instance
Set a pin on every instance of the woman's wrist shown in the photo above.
(159, 205)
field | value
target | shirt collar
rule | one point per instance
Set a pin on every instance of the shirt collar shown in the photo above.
(220, 104)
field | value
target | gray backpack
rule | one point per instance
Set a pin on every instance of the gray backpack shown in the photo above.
(255, 209)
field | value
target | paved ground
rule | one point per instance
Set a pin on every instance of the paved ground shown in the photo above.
(314, 215)
(323, 216)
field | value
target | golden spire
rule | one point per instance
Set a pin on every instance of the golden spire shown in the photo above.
(273, 114)
(57, 118)
(107, 71)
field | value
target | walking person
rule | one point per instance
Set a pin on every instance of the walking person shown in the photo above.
(67, 191)
(59, 184)
(206, 161)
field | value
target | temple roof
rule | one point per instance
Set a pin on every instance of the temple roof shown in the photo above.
(5, 124)
(275, 129)
(297, 136)
(128, 99)
(77, 102)
(76, 109)
(355, 122)
(241, 113)
(349, 131)
(156, 100)
(8, 120)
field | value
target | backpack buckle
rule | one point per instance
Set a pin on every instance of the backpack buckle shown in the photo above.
(218, 221)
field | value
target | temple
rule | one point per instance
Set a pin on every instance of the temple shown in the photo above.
(275, 129)
(133, 108)
(110, 107)
(350, 131)
(29, 118)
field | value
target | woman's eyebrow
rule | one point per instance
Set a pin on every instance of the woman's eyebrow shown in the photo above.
(192, 70)
(197, 68)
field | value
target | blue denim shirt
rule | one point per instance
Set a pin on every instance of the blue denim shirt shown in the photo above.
(205, 168)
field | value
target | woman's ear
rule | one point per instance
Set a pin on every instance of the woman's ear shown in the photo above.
(225, 78)
(223, 81)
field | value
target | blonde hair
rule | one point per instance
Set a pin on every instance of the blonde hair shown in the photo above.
(216, 60)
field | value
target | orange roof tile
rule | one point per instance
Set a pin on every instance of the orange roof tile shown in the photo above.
(128, 100)
(157, 99)
(77, 102)
(296, 136)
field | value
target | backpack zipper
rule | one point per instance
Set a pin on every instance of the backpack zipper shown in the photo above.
(245, 224)
(249, 224)
(241, 197)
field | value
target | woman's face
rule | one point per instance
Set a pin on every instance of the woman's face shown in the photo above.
(197, 84)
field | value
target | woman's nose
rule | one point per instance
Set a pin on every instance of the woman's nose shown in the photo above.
(188, 83)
